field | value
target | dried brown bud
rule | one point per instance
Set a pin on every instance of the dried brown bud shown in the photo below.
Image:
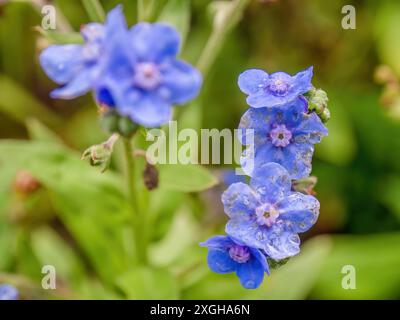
(150, 176)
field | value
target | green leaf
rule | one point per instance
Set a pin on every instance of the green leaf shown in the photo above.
(55, 37)
(94, 10)
(148, 283)
(38, 131)
(91, 205)
(187, 178)
(376, 259)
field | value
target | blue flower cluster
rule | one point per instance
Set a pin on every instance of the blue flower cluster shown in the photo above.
(266, 215)
(134, 71)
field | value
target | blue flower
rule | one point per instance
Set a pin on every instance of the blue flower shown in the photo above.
(144, 78)
(229, 176)
(285, 136)
(273, 90)
(8, 292)
(227, 255)
(78, 67)
(267, 215)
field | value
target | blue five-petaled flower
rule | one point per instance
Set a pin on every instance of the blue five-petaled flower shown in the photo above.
(273, 90)
(285, 136)
(267, 215)
(135, 71)
(227, 255)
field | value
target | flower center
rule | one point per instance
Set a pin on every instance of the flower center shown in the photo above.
(239, 254)
(280, 136)
(147, 75)
(279, 85)
(266, 215)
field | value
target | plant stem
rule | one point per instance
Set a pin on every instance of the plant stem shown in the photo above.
(137, 218)
(228, 19)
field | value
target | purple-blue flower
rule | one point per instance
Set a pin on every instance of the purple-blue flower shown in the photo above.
(285, 136)
(227, 255)
(143, 77)
(266, 214)
(77, 67)
(229, 176)
(8, 292)
(273, 90)
(135, 71)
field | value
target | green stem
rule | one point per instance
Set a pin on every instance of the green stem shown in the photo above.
(94, 10)
(229, 19)
(137, 217)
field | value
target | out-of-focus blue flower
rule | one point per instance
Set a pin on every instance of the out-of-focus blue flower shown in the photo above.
(143, 78)
(8, 292)
(229, 176)
(273, 90)
(285, 136)
(134, 70)
(227, 255)
(77, 67)
(267, 215)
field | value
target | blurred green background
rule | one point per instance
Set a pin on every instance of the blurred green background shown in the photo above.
(75, 219)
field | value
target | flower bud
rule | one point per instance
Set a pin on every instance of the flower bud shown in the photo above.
(25, 183)
(112, 122)
(318, 102)
(150, 176)
(100, 154)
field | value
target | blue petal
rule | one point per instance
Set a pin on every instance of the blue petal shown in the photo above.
(247, 230)
(229, 177)
(257, 120)
(298, 211)
(115, 22)
(250, 274)
(155, 42)
(219, 261)
(61, 63)
(239, 200)
(144, 108)
(271, 181)
(297, 159)
(265, 99)
(302, 81)
(257, 254)
(277, 242)
(252, 81)
(281, 243)
(182, 81)
(93, 32)
(78, 86)
(222, 242)
(311, 129)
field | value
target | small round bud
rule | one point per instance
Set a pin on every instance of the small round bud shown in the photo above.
(25, 183)
(150, 177)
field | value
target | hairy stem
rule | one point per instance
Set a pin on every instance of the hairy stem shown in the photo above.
(137, 217)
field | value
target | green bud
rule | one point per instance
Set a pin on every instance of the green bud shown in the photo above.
(317, 99)
(100, 154)
(325, 115)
